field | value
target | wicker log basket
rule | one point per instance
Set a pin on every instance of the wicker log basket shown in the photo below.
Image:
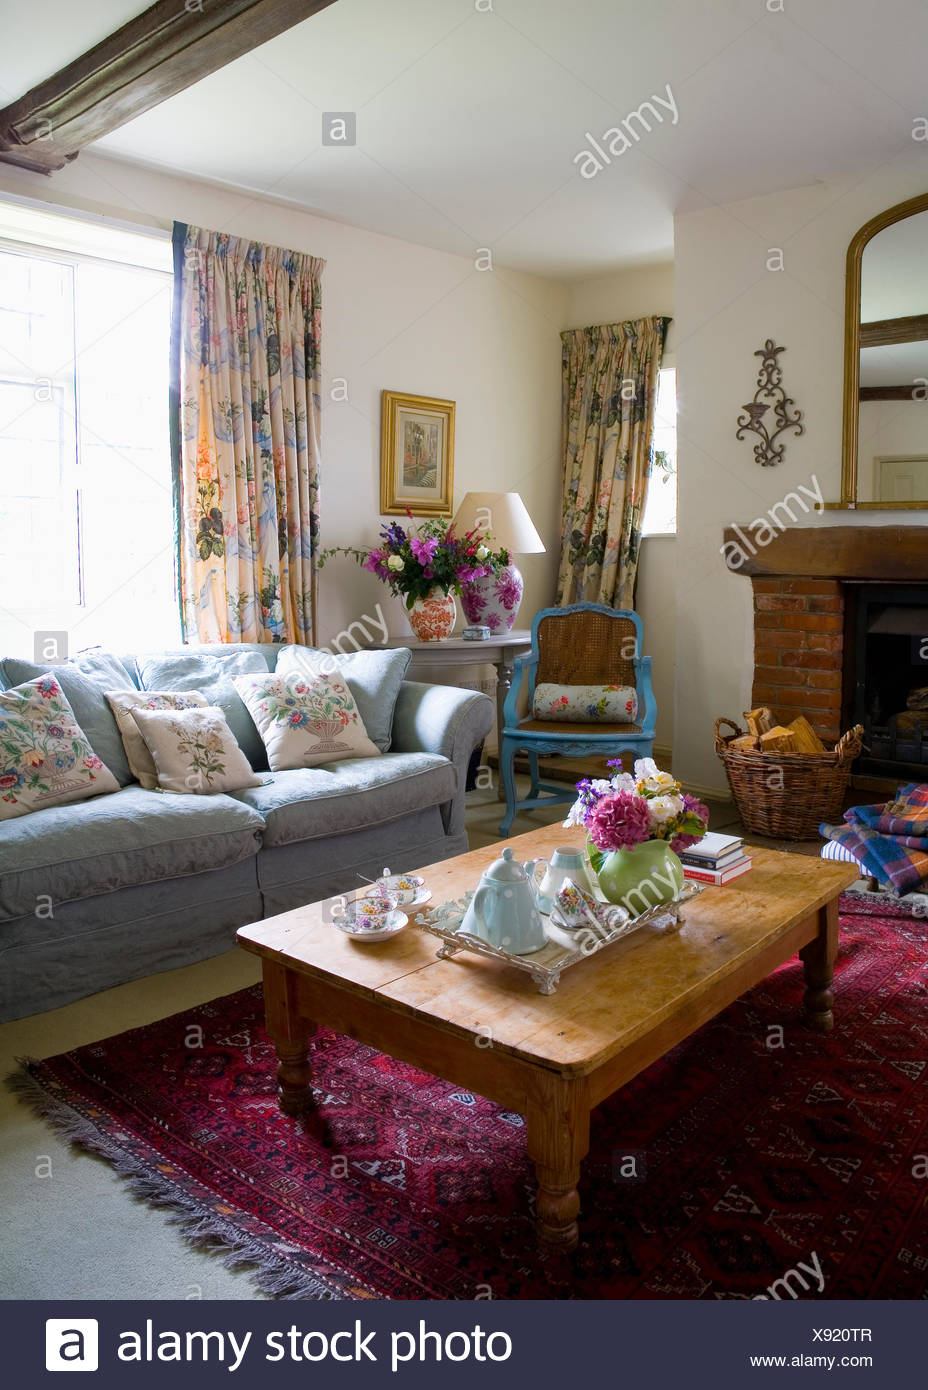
(808, 789)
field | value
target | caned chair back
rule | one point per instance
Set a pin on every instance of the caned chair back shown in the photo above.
(586, 648)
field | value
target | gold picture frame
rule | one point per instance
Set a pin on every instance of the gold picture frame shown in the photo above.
(416, 455)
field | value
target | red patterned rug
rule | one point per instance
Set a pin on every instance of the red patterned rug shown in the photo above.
(752, 1159)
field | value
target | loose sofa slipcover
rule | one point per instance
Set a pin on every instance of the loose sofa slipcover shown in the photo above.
(102, 891)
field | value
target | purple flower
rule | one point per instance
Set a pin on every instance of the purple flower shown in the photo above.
(376, 562)
(619, 821)
(424, 551)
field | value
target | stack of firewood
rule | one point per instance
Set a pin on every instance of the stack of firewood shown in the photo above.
(765, 735)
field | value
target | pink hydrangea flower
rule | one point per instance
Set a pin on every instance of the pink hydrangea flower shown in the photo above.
(619, 821)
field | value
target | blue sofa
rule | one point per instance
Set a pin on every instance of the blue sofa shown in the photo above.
(116, 887)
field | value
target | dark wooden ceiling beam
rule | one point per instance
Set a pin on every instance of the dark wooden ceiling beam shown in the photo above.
(157, 54)
(882, 332)
(894, 393)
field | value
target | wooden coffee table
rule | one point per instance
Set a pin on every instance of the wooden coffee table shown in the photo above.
(551, 1058)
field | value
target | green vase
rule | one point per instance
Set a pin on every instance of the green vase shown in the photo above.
(639, 878)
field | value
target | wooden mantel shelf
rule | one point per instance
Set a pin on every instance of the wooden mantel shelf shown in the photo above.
(897, 553)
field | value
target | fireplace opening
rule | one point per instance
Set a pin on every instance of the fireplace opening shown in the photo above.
(889, 686)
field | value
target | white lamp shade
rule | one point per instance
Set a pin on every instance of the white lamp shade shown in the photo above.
(502, 515)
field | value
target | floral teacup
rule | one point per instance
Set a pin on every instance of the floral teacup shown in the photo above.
(575, 908)
(407, 888)
(370, 916)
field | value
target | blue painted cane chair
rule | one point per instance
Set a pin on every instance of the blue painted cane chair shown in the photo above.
(583, 644)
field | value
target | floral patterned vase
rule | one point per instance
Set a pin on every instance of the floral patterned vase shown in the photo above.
(639, 878)
(493, 601)
(432, 618)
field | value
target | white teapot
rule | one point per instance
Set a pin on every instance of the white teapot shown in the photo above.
(503, 911)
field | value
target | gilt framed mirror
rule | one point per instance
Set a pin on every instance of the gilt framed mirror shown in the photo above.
(884, 463)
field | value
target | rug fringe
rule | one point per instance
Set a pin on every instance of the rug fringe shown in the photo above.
(200, 1227)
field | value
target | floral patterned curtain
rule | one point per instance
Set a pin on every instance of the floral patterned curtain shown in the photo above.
(247, 363)
(609, 392)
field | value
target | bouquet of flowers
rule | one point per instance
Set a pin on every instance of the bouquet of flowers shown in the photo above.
(412, 561)
(624, 810)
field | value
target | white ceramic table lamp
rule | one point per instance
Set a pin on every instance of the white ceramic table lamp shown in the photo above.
(494, 601)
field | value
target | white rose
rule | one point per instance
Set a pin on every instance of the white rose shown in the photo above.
(661, 782)
(396, 563)
(664, 808)
(645, 767)
(481, 553)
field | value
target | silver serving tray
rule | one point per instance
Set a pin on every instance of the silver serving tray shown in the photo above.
(565, 947)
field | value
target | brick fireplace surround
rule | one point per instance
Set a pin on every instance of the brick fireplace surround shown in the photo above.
(799, 650)
(801, 608)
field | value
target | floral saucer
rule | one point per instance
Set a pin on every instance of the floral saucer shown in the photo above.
(369, 919)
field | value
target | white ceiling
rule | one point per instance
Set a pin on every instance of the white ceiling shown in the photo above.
(468, 120)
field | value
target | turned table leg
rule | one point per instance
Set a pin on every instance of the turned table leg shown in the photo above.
(291, 1034)
(294, 1076)
(558, 1137)
(818, 960)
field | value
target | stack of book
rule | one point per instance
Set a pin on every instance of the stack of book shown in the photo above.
(715, 859)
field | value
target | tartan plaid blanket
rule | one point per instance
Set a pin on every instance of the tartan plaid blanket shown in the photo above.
(890, 840)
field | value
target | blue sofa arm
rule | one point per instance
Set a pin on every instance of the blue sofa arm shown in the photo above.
(442, 719)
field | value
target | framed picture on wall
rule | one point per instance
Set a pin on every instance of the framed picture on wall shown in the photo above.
(416, 455)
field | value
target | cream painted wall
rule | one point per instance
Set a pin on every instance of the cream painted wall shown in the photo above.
(396, 316)
(727, 303)
(638, 292)
(632, 294)
(889, 428)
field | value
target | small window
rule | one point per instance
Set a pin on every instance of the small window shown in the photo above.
(660, 513)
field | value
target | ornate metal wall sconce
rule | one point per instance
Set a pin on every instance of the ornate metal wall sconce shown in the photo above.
(769, 393)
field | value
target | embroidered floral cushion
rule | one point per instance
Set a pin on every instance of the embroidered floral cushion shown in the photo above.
(306, 720)
(194, 750)
(586, 704)
(123, 702)
(45, 756)
(373, 677)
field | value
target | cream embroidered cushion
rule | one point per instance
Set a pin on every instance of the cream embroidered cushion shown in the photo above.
(586, 704)
(124, 702)
(305, 720)
(194, 750)
(45, 756)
